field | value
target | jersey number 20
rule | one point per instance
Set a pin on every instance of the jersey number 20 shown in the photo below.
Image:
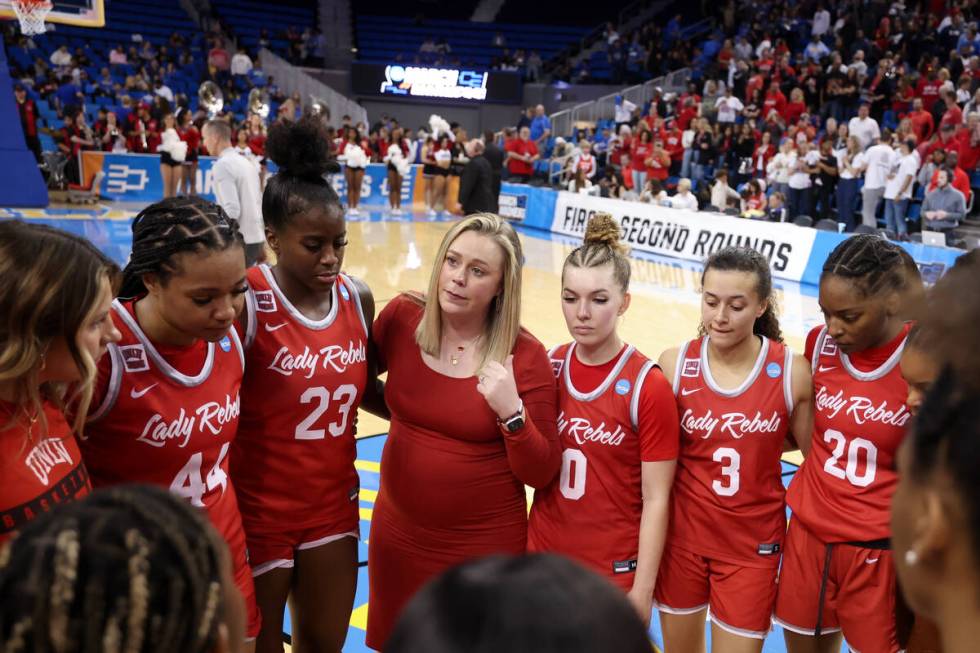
(854, 448)
(321, 396)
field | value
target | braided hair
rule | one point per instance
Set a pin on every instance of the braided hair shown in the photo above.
(174, 226)
(601, 246)
(746, 259)
(302, 152)
(131, 569)
(874, 264)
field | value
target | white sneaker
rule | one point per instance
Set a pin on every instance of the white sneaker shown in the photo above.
(352, 211)
(396, 211)
(431, 213)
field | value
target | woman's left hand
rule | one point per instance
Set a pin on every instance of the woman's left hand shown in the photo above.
(497, 385)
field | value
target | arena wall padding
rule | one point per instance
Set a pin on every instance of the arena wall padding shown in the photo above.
(22, 185)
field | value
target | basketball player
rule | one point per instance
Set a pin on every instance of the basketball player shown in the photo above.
(618, 429)
(168, 393)
(306, 341)
(742, 396)
(837, 574)
(55, 328)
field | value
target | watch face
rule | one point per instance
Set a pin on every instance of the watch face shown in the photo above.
(515, 424)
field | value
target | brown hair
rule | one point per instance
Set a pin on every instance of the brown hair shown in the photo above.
(602, 245)
(746, 259)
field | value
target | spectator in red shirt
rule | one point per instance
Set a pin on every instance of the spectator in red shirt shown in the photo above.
(793, 109)
(521, 155)
(659, 167)
(953, 115)
(946, 140)
(673, 144)
(928, 88)
(960, 180)
(922, 123)
(218, 57)
(191, 135)
(969, 149)
(640, 152)
(28, 120)
(774, 100)
(688, 113)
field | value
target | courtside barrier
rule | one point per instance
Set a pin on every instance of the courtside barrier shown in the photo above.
(794, 253)
(136, 178)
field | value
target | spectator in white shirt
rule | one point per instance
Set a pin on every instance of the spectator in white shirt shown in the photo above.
(898, 188)
(821, 21)
(684, 199)
(236, 187)
(624, 111)
(800, 182)
(723, 195)
(729, 107)
(161, 89)
(241, 63)
(858, 64)
(864, 126)
(879, 166)
(851, 162)
(780, 167)
(584, 160)
(816, 49)
(61, 57)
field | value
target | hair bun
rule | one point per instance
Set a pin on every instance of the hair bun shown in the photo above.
(301, 149)
(603, 229)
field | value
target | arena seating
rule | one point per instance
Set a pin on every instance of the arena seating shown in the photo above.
(247, 19)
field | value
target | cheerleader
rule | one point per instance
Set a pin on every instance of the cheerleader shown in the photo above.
(618, 429)
(742, 396)
(396, 154)
(353, 149)
(293, 460)
(172, 151)
(838, 575)
(190, 134)
(168, 393)
(55, 328)
(443, 156)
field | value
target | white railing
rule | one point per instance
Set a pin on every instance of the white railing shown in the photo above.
(291, 79)
(604, 107)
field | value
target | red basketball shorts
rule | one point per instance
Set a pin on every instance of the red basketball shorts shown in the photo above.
(739, 598)
(277, 549)
(858, 586)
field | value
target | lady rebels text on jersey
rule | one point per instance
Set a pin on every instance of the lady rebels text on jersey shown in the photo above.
(843, 490)
(156, 424)
(728, 477)
(591, 512)
(293, 460)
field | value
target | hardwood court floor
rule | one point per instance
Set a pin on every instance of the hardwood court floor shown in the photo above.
(393, 256)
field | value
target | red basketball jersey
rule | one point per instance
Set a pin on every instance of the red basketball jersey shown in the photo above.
(159, 425)
(293, 460)
(843, 490)
(591, 512)
(728, 497)
(40, 470)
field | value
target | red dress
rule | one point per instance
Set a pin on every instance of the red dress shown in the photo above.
(452, 485)
(39, 472)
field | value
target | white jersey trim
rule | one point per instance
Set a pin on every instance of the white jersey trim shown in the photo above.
(233, 334)
(115, 382)
(161, 363)
(817, 346)
(803, 631)
(741, 632)
(679, 366)
(252, 315)
(788, 380)
(635, 399)
(280, 563)
(875, 374)
(581, 396)
(316, 325)
(749, 380)
(681, 611)
(356, 296)
(327, 540)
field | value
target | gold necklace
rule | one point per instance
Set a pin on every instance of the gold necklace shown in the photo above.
(454, 358)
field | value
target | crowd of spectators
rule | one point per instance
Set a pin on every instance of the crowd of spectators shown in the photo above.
(840, 110)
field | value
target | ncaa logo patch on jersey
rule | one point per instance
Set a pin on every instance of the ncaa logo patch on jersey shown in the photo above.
(829, 347)
(134, 358)
(556, 366)
(691, 368)
(344, 293)
(622, 387)
(225, 344)
(773, 370)
(265, 301)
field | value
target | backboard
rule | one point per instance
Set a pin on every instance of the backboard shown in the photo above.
(84, 13)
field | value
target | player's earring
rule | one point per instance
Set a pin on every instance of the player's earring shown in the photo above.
(44, 360)
(911, 558)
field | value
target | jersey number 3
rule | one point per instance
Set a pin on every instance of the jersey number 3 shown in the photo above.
(346, 393)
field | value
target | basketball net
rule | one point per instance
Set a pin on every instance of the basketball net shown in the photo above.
(31, 14)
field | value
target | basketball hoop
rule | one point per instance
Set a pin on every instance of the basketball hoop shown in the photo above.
(31, 14)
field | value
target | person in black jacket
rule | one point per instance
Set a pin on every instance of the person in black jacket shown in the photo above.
(495, 155)
(476, 182)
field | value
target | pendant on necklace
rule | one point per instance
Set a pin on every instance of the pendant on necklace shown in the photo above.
(455, 359)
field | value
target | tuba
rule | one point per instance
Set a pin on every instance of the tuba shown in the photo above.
(258, 102)
(319, 108)
(210, 98)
